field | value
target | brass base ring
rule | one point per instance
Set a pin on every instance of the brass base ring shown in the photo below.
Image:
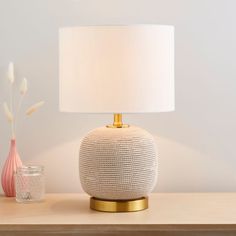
(119, 205)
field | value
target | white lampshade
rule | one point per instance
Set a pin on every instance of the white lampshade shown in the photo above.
(117, 69)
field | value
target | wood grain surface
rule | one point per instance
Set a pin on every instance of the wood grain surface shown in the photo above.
(168, 214)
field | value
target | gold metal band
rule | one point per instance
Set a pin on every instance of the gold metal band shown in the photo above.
(117, 122)
(119, 205)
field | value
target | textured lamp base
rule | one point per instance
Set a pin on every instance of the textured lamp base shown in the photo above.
(118, 167)
(118, 164)
(119, 205)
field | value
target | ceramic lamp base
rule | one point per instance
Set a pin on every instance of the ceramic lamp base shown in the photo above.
(119, 205)
(119, 166)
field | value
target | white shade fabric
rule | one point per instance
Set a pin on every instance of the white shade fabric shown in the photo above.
(116, 69)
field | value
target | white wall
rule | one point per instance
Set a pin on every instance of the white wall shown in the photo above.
(196, 142)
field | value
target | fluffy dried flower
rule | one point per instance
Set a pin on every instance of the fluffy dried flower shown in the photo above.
(24, 86)
(10, 73)
(34, 108)
(8, 113)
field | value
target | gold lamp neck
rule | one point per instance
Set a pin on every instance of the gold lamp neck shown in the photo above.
(117, 122)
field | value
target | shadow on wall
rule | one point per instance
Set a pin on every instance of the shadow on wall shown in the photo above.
(52, 138)
(180, 168)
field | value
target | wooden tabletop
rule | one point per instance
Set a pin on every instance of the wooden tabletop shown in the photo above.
(168, 213)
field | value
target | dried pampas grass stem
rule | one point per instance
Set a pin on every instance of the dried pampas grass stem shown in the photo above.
(34, 108)
(8, 110)
(9, 117)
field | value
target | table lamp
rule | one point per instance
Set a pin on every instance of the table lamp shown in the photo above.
(117, 69)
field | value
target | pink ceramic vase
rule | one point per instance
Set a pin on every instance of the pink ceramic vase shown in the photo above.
(13, 161)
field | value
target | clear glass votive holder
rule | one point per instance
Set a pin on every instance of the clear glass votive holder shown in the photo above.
(29, 184)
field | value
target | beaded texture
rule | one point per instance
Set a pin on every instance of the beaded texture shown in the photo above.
(118, 163)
